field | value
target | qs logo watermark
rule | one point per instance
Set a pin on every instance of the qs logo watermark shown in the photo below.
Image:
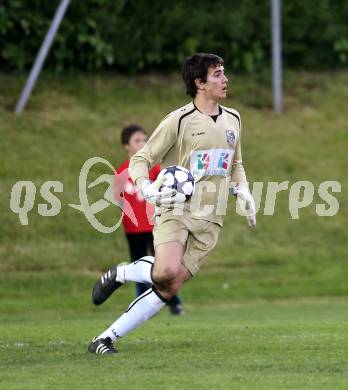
(112, 196)
(90, 210)
(301, 195)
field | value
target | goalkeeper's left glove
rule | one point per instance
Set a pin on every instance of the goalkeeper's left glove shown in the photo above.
(246, 202)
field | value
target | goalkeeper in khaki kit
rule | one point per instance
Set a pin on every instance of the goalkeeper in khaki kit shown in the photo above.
(204, 137)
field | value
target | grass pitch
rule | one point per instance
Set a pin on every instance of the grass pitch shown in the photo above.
(292, 344)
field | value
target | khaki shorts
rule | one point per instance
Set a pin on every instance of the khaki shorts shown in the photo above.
(198, 237)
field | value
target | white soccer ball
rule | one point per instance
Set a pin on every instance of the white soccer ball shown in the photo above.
(180, 179)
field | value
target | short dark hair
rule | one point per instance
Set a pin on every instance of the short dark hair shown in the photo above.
(196, 67)
(128, 131)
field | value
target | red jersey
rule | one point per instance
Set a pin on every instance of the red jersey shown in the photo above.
(138, 214)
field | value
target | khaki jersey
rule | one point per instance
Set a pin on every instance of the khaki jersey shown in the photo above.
(210, 150)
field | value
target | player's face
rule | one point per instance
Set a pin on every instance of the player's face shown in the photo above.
(136, 142)
(216, 85)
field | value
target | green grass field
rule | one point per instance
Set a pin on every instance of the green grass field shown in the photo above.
(279, 345)
(267, 311)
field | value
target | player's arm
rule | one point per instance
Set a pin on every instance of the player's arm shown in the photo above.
(238, 175)
(155, 149)
(241, 188)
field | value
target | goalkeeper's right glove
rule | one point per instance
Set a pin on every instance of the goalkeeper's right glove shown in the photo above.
(162, 197)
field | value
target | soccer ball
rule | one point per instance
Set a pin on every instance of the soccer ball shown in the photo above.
(180, 179)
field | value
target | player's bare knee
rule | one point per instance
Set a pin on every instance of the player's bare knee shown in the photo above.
(164, 275)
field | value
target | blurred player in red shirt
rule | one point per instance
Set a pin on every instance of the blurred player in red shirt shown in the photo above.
(139, 229)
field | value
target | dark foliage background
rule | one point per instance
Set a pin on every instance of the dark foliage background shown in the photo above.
(136, 35)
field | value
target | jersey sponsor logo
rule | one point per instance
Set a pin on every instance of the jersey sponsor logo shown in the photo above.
(211, 162)
(230, 136)
(223, 161)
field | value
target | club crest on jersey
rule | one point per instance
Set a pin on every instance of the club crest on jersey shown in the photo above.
(230, 137)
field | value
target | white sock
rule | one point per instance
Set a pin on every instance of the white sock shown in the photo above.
(140, 310)
(138, 271)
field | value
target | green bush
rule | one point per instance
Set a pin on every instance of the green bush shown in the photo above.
(135, 35)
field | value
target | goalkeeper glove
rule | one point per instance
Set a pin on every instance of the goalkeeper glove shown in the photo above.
(246, 203)
(162, 197)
